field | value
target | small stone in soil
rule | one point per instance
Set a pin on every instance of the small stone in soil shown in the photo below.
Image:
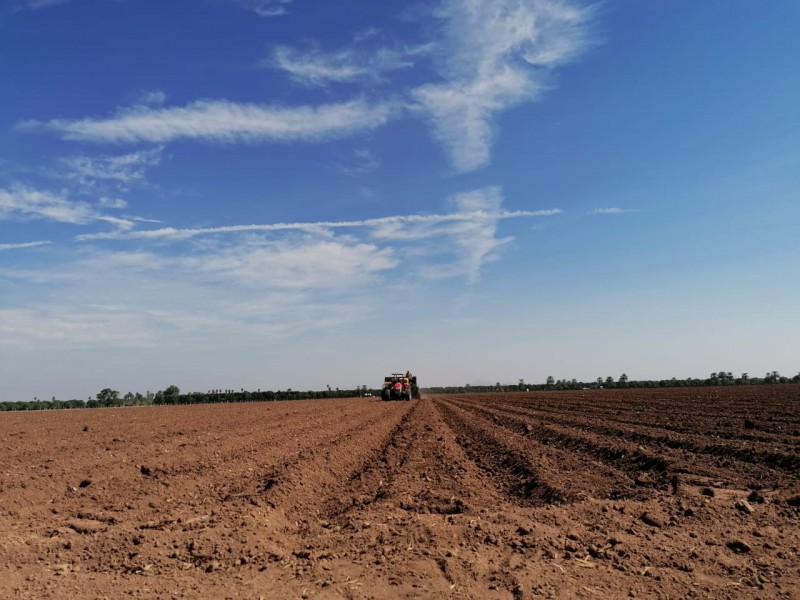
(651, 520)
(738, 546)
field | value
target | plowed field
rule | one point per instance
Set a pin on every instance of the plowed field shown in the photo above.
(596, 494)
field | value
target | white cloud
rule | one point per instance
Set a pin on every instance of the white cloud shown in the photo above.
(476, 240)
(224, 121)
(496, 54)
(22, 202)
(152, 97)
(112, 203)
(467, 242)
(77, 326)
(461, 112)
(24, 245)
(466, 238)
(126, 168)
(265, 8)
(361, 161)
(612, 211)
(252, 283)
(17, 5)
(303, 263)
(366, 34)
(316, 68)
(384, 225)
(248, 288)
(297, 263)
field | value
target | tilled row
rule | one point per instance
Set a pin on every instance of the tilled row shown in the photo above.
(422, 469)
(771, 455)
(351, 471)
(634, 452)
(764, 408)
(197, 500)
(618, 455)
(526, 476)
(730, 427)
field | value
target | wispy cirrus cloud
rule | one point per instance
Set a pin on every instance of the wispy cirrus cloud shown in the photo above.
(22, 202)
(361, 161)
(613, 210)
(223, 121)
(265, 8)
(125, 168)
(469, 234)
(21, 245)
(384, 225)
(152, 97)
(275, 280)
(496, 54)
(106, 202)
(315, 68)
(462, 241)
(18, 5)
(73, 325)
(296, 263)
(476, 240)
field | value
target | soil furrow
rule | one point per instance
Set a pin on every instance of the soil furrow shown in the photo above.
(471, 496)
(511, 466)
(777, 458)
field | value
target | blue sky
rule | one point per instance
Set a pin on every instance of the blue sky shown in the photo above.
(290, 193)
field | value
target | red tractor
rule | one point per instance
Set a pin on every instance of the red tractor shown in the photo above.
(400, 386)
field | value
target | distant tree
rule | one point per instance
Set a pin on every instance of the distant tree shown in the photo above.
(623, 380)
(108, 397)
(550, 380)
(609, 383)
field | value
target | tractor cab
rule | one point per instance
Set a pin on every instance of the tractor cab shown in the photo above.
(400, 386)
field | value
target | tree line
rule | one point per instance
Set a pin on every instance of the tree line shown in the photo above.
(172, 395)
(108, 398)
(720, 378)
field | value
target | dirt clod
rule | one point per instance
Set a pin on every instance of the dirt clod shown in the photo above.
(738, 546)
(651, 520)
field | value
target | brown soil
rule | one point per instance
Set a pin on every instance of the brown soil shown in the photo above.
(597, 494)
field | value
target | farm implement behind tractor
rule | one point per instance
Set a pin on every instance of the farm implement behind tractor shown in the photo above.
(400, 386)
